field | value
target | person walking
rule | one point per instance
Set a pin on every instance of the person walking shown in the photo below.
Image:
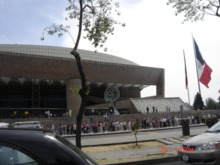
(105, 117)
(70, 113)
(48, 113)
(91, 118)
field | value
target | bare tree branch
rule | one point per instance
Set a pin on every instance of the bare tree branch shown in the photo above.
(88, 7)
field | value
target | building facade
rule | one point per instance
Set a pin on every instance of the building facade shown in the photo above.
(35, 78)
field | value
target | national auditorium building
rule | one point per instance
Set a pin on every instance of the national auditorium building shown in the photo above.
(34, 79)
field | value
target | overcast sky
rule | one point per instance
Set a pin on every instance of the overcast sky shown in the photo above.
(153, 37)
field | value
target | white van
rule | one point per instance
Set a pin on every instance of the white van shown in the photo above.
(27, 124)
(4, 125)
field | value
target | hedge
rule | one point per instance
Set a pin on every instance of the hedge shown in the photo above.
(210, 121)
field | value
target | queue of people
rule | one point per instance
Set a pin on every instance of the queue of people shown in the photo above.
(111, 126)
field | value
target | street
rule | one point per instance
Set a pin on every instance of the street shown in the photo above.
(100, 139)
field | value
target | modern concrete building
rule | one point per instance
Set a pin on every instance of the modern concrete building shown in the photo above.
(35, 78)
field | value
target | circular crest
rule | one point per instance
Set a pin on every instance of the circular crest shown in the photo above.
(111, 94)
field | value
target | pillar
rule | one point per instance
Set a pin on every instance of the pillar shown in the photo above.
(73, 102)
(161, 86)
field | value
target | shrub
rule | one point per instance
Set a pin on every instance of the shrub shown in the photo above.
(128, 112)
(211, 121)
(122, 112)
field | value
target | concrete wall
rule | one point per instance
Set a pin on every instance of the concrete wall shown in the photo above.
(161, 103)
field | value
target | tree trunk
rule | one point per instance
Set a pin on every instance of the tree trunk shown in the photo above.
(82, 93)
(136, 137)
(83, 90)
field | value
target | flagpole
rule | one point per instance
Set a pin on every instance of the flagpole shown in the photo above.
(196, 65)
(187, 77)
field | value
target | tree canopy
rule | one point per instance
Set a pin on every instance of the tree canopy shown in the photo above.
(197, 9)
(211, 103)
(198, 103)
(96, 18)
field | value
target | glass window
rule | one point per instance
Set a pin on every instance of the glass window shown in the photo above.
(11, 154)
(75, 149)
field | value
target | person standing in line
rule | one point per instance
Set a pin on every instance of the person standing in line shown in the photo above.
(147, 123)
(161, 122)
(129, 125)
(87, 127)
(169, 109)
(103, 127)
(192, 119)
(93, 127)
(61, 129)
(71, 129)
(74, 129)
(153, 109)
(100, 127)
(168, 121)
(64, 129)
(147, 109)
(67, 129)
(121, 125)
(144, 123)
(156, 109)
(124, 124)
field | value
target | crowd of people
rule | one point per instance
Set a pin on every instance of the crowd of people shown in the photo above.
(146, 123)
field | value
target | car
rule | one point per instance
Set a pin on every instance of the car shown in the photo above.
(39, 147)
(4, 125)
(202, 149)
(27, 124)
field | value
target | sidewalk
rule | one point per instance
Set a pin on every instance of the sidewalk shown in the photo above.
(129, 131)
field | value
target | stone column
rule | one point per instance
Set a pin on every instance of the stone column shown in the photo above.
(161, 85)
(73, 102)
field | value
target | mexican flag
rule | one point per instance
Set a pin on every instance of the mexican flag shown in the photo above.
(204, 71)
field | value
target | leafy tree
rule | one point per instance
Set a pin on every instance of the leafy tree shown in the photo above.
(198, 103)
(95, 18)
(195, 10)
(211, 103)
(135, 127)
